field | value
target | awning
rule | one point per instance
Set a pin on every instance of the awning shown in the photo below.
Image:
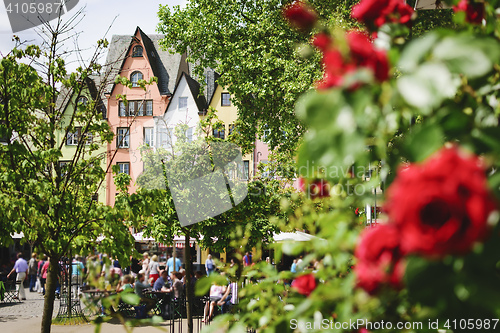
(297, 236)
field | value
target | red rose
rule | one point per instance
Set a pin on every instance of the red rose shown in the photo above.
(364, 54)
(379, 259)
(474, 10)
(442, 206)
(304, 284)
(318, 188)
(322, 41)
(371, 12)
(300, 15)
(375, 13)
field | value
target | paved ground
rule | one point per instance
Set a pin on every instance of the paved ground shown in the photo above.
(26, 317)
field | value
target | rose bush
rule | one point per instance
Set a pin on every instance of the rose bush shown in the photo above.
(304, 284)
(419, 116)
(450, 210)
(379, 258)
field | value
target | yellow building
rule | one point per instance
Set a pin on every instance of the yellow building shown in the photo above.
(227, 113)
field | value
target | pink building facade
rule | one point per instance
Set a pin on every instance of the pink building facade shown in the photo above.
(138, 57)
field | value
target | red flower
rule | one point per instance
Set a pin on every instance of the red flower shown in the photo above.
(442, 206)
(322, 41)
(304, 284)
(362, 54)
(318, 188)
(474, 10)
(379, 259)
(375, 13)
(300, 15)
(365, 55)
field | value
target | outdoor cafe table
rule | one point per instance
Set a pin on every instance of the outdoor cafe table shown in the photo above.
(97, 295)
(162, 300)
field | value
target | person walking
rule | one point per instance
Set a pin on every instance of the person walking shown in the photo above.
(77, 272)
(21, 268)
(171, 267)
(247, 259)
(209, 265)
(154, 268)
(32, 271)
(41, 263)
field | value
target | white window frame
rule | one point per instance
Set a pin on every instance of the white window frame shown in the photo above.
(135, 77)
(72, 138)
(123, 167)
(184, 104)
(150, 141)
(123, 137)
(224, 102)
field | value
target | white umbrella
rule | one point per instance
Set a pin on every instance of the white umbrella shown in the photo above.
(297, 236)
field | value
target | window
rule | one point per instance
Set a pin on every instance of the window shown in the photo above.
(267, 133)
(166, 136)
(82, 100)
(136, 108)
(89, 138)
(148, 136)
(123, 167)
(219, 132)
(246, 170)
(189, 134)
(149, 108)
(64, 165)
(231, 128)
(73, 137)
(225, 99)
(183, 103)
(135, 77)
(137, 51)
(123, 110)
(123, 138)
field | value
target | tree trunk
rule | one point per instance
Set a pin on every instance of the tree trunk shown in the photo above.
(50, 290)
(189, 269)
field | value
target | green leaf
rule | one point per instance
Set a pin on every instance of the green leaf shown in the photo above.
(423, 141)
(130, 298)
(467, 54)
(428, 86)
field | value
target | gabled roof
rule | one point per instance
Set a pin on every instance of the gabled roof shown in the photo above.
(194, 87)
(92, 83)
(166, 66)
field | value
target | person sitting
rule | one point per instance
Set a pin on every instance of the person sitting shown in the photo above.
(159, 284)
(125, 285)
(139, 287)
(216, 294)
(230, 297)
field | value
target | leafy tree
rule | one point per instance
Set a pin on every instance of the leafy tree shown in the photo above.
(50, 203)
(250, 44)
(166, 170)
(445, 95)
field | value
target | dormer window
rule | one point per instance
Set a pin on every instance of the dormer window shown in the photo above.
(135, 77)
(137, 51)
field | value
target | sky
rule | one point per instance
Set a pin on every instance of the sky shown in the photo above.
(98, 17)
